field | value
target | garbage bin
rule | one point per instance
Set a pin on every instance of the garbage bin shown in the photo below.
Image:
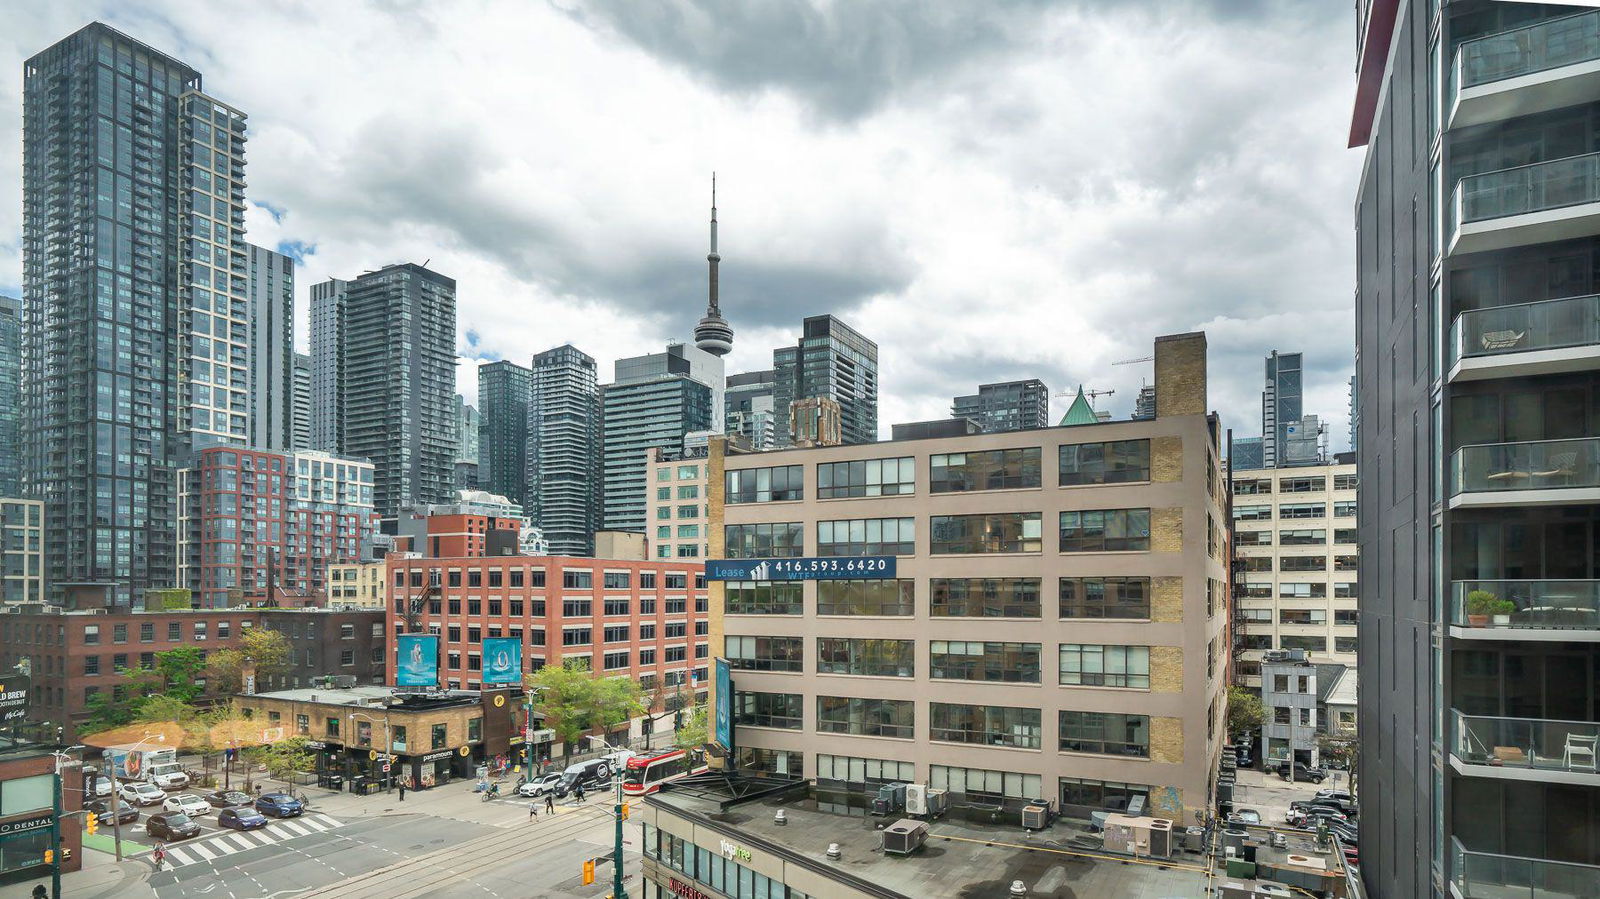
(335, 781)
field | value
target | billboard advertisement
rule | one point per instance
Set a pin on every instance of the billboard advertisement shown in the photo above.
(419, 660)
(832, 568)
(502, 660)
(722, 724)
(14, 698)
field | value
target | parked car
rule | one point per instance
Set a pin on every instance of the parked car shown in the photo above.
(126, 814)
(1308, 804)
(103, 787)
(1341, 798)
(1352, 857)
(188, 803)
(540, 785)
(1301, 772)
(1308, 818)
(590, 774)
(241, 818)
(171, 826)
(226, 799)
(138, 792)
(278, 805)
(1245, 816)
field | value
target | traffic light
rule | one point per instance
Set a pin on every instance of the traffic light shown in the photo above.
(624, 811)
(91, 823)
(588, 870)
(50, 857)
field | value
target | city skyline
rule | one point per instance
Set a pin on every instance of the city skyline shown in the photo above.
(836, 222)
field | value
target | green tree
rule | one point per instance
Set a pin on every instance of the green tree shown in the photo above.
(178, 670)
(284, 758)
(267, 649)
(105, 714)
(566, 697)
(164, 708)
(617, 700)
(695, 730)
(1245, 711)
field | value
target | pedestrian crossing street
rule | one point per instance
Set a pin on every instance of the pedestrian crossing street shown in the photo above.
(212, 848)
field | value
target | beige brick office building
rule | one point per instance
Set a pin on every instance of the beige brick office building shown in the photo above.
(1055, 629)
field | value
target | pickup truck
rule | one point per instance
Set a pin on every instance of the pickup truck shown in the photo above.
(156, 766)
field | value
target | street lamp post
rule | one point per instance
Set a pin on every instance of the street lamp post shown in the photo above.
(528, 695)
(616, 812)
(116, 788)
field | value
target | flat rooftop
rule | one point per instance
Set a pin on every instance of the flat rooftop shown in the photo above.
(960, 860)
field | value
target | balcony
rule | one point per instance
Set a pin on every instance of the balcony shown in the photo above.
(1539, 472)
(1527, 339)
(1529, 204)
(1543, 610)
(1485, 875)
(1544, 66)
(1528, 749)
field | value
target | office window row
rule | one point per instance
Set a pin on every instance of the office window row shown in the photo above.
(1080, 597)
(1094, 530)
(991, 661)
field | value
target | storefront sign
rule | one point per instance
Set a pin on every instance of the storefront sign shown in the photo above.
(441, 754)
(735, 851)
(13, 699)
(316, 744)
(679, 888)
(26, 823)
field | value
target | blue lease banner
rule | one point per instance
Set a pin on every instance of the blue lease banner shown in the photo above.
(502, 660)
(722, 726)
(419, 660)
(832, 568)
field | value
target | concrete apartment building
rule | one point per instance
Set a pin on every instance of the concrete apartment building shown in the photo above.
(21, 550)
(1084, 666)
(1477, 371)
(1294, 537)
(1006, 406)
(677, 517)
(358, 584)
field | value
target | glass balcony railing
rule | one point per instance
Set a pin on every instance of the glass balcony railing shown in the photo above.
(1546, 325)
(1534, 465)
(1485, 875)
(1539, 47)
(1537, 604)
(1533, 743)
(1538, 187)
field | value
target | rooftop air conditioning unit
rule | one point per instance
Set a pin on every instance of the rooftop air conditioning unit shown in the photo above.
(1276, 655)
(904, 837)
(344, 681)
(1297, 655)
(1272, 891)
(1161, 837)
(916, 799)
(1035, 817)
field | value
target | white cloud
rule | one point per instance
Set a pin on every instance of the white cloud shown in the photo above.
(989, 191)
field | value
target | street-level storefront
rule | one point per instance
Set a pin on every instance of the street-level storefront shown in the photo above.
(28, 809)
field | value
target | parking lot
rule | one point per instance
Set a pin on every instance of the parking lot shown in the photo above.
(1270, 795)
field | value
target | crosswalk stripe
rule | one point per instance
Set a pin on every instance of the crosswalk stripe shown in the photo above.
(201, 851)
(260, 836)
(240, 841)
(312, 823)
(331, 822)
(290, 825)
(178, 857)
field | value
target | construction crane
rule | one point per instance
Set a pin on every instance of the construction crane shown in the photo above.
(1091, 394)
(1132, 361)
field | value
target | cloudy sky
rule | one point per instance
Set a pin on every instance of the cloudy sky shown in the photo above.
(990, 189)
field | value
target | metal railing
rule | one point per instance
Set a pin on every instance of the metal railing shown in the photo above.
(1527, 188)
(1539, 47)
(1535, 743)
(1487, 875)
(1544, 325)
(1529, 465)
(1538, 604)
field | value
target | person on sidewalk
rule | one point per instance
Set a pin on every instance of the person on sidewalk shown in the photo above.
(550, 802)
(579, 793)
(533, 810)
(160, 855)
(39, 892)
(402, 791)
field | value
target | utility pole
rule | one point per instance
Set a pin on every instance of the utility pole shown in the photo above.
(116, 791)
(616, 851)
(55, 837)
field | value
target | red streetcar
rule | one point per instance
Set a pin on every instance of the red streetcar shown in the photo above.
(646, 773)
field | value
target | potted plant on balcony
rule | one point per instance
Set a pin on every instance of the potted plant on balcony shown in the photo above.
(1500, 612)
(1480, 605)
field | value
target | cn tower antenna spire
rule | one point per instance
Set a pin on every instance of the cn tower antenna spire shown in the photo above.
(714, 334)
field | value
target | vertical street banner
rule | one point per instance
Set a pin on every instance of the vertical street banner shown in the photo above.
(502, 660)
(722, 725)
(419, 660)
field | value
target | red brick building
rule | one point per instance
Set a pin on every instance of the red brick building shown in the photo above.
(27, 773)
(643, 619)
(452, 535)
(76, 654)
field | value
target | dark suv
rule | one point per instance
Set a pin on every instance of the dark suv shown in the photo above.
(1301, 772)
(126, 814)
(171, 826)
(278, 805)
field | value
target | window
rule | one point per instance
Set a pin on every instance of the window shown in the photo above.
(1345, 563)
(1317, 643)
(867, 537)
(577, 608)
(1302, 591)
(1344, 509)
(1302, 616)
(147, 632)
(983, 786)
(1252, 486)
(866, 477)
(764, 485)
(1011, 597)
(763, 597)
(765, 653)
(1255, 616)
(1106, 733)
(647, 580)
(618, 605)
(516, 578)
(1252, 538)
(223, 629)
(677, 582)
(1302, 510)
(866, 717)
(676, 605)
(1082, 793)
(994, 532)
(91, 635)
(475, 577)
(332, 725)
(617, 633)
(979, 661)
(1105, 597)
(866, 773)
(174, 631)
(1255, 563)
(689, 491)
(496, 577)
(577, 580)
(688, 472)
(1304, 563)
(615, 660)
(439, 736)
(1303, 537)
(1256, 641)
(866, 597)
(647, 657)
(872, 658)
(1117, 462)
(1252, 513)
(119, 633)
(689, 511)
(1345, 591)
(1007, 469)
(576, 636)
(91, 665)
(1105, 530)
(1092, 665)
(1303, 485)
(1348, 617)
(785, 539)
(347, 632)
(1346, 481)
(1344, 644)
(537, 578)
(984, 725)
(781, 710)
(1345, 535)
(675, 653)
(347, 658)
